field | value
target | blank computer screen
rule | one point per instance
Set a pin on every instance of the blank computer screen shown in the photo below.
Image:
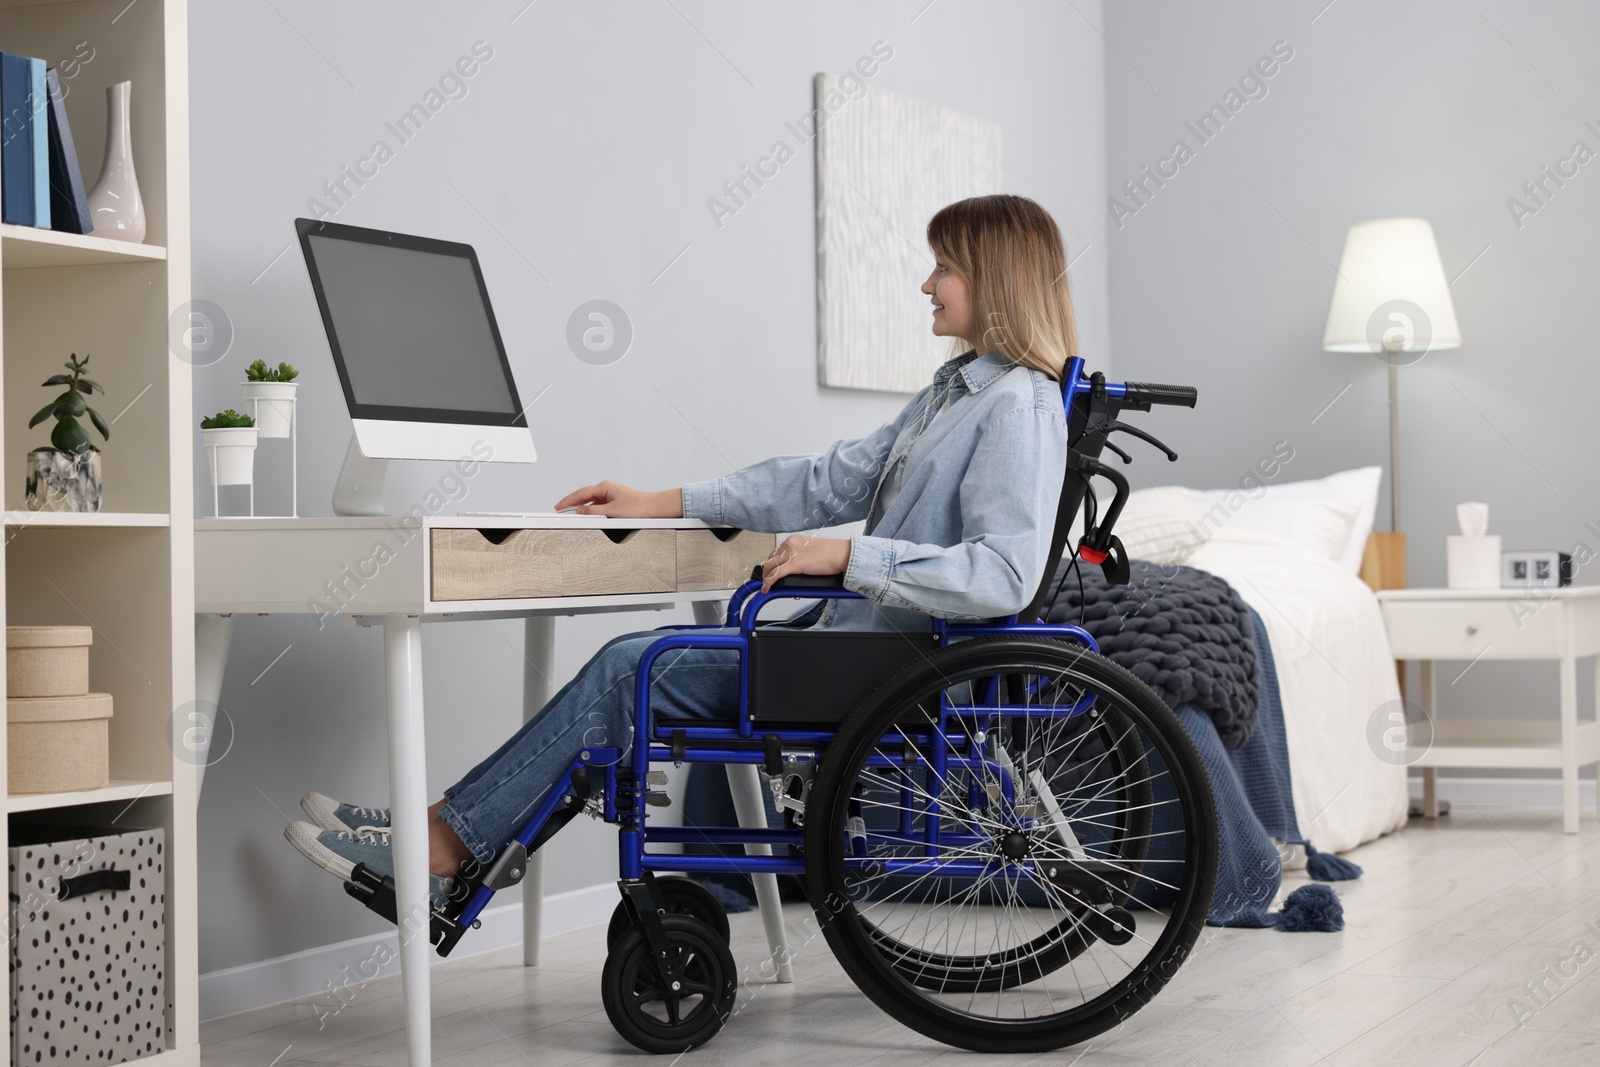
(412, 327)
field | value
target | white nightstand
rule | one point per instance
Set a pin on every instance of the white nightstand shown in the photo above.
(1477, 624)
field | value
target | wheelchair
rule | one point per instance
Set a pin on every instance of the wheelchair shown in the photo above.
(1007, 840)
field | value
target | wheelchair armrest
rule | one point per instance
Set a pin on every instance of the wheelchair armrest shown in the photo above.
(801, 581)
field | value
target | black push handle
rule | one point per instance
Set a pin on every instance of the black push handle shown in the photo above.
(94, 882)
(1141, 394)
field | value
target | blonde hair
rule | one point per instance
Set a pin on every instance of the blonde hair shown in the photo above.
(1010, 253)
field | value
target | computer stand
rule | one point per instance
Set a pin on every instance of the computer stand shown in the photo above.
(359, 490)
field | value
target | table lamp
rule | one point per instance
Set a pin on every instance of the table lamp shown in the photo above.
(1392, 300)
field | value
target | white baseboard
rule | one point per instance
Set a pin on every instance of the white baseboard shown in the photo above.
(317, 970)
(1509, 792)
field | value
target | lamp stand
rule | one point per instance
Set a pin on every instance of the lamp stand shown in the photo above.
(1383, 564)
(1394, 444)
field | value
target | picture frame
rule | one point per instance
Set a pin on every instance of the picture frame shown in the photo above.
(885, 163)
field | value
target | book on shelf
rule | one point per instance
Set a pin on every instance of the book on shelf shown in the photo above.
(39, 130)
(69, 202)
(16, 148)
(41, 183)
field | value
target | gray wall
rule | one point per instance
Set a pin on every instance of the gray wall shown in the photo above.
(1223, 278)
(578, 163)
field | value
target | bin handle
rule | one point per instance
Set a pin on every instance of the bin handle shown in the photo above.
(95, 882)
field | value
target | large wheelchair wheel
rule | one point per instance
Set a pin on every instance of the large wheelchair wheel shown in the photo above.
(1017, 874)
(1113, 753)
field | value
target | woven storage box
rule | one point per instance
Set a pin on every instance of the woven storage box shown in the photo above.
(58, 744)
(47, 661)
(87, 982)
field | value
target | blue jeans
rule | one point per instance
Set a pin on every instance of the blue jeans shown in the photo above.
(594, 710)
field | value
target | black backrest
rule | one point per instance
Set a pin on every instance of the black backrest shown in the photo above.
(1086, 437)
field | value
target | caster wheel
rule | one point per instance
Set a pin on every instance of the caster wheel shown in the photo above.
(683, 896)
(661, 1020)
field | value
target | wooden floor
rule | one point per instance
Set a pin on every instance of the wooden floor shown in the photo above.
(1473, 941)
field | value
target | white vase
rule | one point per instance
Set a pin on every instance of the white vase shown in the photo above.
(233, 454)
(272, 404)
(115, 206)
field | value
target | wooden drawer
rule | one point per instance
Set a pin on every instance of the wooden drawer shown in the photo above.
(1436, 629)
(720, 559)
(536, 563)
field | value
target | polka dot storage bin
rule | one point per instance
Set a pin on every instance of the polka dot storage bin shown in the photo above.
(88, 913)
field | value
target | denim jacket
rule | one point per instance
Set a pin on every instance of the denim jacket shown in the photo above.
(968, 533)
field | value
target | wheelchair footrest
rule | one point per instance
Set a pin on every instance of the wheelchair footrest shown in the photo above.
(374, 892)
(377, 894)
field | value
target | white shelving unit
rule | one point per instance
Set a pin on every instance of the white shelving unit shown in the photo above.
(127, 571)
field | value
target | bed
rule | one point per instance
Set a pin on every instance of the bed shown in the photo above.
(1295, 553)
(1336, 677)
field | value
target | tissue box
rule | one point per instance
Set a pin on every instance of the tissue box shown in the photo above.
(1472, 562)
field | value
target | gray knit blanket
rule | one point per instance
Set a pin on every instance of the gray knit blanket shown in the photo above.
(1184, 632)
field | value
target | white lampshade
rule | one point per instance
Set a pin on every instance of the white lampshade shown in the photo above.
(1391, 291)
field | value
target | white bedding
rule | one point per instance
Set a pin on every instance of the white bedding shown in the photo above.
(1335, 671)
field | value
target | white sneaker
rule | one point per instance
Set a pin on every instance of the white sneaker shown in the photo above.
(338, 852)
(331, 814)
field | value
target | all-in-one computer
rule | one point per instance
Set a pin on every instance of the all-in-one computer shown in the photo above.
(418, 353)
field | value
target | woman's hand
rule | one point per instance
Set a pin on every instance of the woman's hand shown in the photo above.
(804, 554)
(622, 502)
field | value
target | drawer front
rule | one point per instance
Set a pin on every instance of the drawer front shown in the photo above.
(707, 561)
(1496, 629)
(543, 563)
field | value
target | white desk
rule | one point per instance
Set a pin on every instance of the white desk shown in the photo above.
(401, 572)
(1473, 624)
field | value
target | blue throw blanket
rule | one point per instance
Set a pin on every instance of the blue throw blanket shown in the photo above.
(1254, 796)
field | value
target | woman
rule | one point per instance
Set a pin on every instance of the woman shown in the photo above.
(959, 496)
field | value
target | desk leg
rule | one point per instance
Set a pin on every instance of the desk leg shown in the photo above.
(213, 634)
(538, 665)
(1569, 744)
(744, 783)
(1430, 707)
(402, 658)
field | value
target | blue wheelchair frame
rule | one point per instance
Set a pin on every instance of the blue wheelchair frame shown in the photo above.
(741, 742)
(715, 744)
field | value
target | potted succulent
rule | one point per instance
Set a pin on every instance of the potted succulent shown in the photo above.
(272, 390)
(230, 440)
(66, 476)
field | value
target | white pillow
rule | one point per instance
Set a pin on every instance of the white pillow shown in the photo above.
(1161, 524)
(1321, 527)
(1270, 511)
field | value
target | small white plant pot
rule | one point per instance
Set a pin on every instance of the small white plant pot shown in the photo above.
(63, 481)
(272, 405)
(233, 454)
